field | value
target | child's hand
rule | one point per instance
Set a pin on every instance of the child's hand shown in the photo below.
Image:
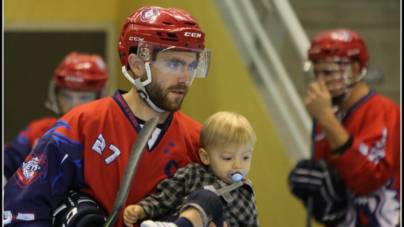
(133, 213)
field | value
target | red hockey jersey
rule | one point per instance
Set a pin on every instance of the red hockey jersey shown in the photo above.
(87, 150)
(371, 166)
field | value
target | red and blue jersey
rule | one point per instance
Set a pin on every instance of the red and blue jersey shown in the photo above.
(15, 154)
(371, 166)
(87, 150)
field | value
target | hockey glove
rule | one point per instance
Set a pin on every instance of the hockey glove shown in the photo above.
(329, 193)
(77, 210)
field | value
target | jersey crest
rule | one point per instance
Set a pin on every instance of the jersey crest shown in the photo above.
(32, 168)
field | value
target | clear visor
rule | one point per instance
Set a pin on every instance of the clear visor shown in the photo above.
(180, 61)
(337, 75)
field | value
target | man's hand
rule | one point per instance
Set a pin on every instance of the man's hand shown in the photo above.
(132, 214)
(318, 100)
(329, 193)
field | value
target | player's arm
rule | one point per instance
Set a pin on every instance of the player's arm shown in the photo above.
(169, 194)
(319, 105)
(369, 161)
(15, 153)
(335, 133)
(359, 158)
(39, 185)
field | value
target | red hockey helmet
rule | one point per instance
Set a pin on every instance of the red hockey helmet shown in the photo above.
(173, 27)
(339, 45)
(150, 30)
(81, 72)
(78, 72)
(332, 52)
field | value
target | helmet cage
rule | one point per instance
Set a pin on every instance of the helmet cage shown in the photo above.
(335, 72)
(342, 45)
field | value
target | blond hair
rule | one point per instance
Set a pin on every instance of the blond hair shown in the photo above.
(226, 129)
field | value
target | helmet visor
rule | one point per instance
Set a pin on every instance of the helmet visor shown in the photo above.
(180, 61)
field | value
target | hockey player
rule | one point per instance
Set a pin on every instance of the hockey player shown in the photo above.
(88, 148)
(79, 78)
(355, 179)
(227, 141)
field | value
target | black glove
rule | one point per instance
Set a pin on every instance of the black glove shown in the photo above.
(77, 210)
(329, 193)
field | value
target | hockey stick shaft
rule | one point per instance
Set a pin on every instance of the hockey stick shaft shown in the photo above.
(313, 150)
(133, 161)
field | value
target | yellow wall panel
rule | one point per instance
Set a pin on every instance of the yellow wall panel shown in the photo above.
(57, 10)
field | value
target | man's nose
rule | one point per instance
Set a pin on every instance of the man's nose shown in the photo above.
(321, 76)
(76, 102)
(185, 77)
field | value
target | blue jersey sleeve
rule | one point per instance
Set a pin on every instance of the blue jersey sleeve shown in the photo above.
(15, 154)
(40, 183)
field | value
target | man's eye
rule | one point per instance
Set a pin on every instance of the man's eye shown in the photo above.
(324, 72)
(327, 72)
(174, 65)
(86, 98)
(67, 97)
(193, 65)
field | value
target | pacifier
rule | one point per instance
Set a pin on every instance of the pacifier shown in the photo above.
(236, 176)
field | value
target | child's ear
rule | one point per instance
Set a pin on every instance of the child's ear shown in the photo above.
(204, 156)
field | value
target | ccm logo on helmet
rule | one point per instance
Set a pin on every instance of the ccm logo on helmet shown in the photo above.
(131, 38)
(74, 78)
(193, 34)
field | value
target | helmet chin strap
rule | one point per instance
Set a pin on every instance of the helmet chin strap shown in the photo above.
(363, 74)
(141, 86)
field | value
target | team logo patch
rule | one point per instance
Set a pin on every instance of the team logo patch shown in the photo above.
(148, 14)
(32, 168)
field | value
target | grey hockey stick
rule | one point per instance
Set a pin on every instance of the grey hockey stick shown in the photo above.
(310, 199)
(133, 161)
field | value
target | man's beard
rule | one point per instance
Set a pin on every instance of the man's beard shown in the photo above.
(160, 98)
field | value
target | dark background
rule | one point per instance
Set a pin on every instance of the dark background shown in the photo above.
(29, 61)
